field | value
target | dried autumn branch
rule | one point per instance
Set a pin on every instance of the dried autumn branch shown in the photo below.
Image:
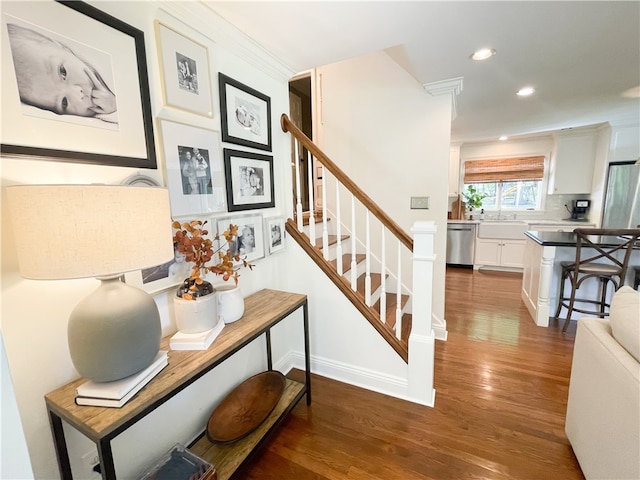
(191, 240)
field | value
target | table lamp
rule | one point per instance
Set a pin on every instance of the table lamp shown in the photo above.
(79, 231)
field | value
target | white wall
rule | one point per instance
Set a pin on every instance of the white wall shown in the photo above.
(34, 314)
(392, 138)
(14, 456)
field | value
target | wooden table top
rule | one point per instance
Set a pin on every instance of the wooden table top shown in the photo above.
(262, 310)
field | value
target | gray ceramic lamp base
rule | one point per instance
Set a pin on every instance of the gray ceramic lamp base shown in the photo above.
(114, 332)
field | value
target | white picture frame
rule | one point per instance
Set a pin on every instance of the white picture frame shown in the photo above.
(185, 71)
(179, 141)
(274, 233)
(249, 225)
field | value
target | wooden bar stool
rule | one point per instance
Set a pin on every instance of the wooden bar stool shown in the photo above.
(595, 259)
(636, 277)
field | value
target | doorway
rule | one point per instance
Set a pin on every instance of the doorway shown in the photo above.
(300, 108)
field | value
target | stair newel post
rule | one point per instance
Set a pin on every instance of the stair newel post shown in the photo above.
(367, 261)
(399, 293)
(298, 196)
(338, 226)
(422, 337)
(383, 275)
(354, 264)
(312, 216)
(325, 229)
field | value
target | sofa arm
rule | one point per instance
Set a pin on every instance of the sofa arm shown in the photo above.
(603, 409)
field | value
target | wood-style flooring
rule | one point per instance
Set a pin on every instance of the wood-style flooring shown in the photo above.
(501, 391)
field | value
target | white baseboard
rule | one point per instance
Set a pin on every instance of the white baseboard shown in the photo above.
(393, 386)
(439, 326)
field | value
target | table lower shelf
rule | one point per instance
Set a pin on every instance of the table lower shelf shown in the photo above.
(227, 458)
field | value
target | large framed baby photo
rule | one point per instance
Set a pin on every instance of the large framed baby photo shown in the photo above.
(245, 114)
(249, 179)
(194, 173)
(184, 63)
(75, 86)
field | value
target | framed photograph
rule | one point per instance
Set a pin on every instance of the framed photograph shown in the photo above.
(193, 169)
(107, 119)
(274, 228)
(161, 277)
(250, 241)
(245, 114)
(249, 180)
(184, 66)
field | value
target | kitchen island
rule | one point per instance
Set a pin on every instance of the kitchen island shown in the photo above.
(542, 271)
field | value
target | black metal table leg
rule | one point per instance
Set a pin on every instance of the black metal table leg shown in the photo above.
(60, 444)
(269, 359)
(307, 355)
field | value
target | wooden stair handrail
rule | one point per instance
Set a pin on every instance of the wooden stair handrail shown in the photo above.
(288, 126)
(369, 313)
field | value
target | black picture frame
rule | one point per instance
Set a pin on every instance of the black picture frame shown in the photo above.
(245, 114)
(132, 143)
(249, 180)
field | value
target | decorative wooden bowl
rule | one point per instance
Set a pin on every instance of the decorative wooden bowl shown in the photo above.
(246, 407)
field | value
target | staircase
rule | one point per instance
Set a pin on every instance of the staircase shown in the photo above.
(327, 259)
(371, 260)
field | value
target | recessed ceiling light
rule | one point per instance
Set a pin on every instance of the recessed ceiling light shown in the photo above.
(503, 138)
(483, 54)
(525, 91)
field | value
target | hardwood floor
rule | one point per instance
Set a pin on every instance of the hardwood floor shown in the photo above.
(501, 390)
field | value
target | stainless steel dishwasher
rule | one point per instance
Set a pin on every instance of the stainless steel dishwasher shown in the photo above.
(461, 243)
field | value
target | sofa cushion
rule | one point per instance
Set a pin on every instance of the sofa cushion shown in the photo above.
(625, 320)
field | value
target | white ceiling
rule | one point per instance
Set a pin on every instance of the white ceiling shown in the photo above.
(580, 56)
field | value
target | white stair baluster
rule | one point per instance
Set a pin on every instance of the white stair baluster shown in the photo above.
(325, 229)
(338, 226)
(383, 278)
(399, 293)
(312, 217)
(367, 262)
(354, 264)
(298, 197)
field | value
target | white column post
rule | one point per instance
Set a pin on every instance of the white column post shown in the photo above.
(422, 337)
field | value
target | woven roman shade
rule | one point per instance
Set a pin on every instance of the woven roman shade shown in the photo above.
(504, 169)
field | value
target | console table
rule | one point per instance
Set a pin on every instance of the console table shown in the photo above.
(263, 310)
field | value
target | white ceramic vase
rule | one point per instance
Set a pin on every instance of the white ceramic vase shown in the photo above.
(230, 302)
(196, 316)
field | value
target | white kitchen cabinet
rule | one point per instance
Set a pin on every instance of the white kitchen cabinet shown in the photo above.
(497, 252)
(454, 170)
(573, 161)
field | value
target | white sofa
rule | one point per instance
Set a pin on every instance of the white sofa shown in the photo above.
(603, 410)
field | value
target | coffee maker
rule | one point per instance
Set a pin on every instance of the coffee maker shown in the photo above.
(580, 210)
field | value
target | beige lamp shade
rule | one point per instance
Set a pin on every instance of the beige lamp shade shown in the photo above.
(77, 231)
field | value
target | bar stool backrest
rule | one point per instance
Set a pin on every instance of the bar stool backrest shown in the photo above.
(608, 253)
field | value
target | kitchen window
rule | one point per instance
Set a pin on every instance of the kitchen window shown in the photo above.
(508, 183)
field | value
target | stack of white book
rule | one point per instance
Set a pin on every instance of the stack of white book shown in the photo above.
(196, 341)
(117, 393)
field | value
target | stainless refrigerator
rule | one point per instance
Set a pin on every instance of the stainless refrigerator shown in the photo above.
(622, 197)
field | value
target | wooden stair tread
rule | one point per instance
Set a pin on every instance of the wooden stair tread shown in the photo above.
(390, 316)
(333, 239)
(346, 261)
(376, 281)
(306, 216)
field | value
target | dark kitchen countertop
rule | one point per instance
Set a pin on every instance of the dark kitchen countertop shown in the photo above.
(567, 239)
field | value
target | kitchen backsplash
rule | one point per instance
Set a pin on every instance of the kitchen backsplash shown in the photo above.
(554, 208)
